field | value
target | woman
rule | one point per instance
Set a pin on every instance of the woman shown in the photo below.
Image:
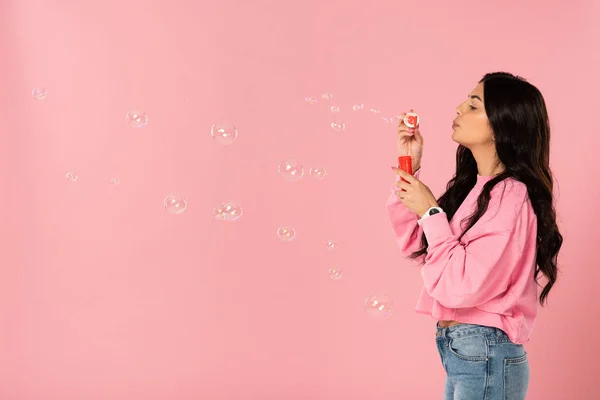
(485, 241)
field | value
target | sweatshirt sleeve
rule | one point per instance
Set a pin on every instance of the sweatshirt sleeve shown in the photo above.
(404, 222)
(470, 272)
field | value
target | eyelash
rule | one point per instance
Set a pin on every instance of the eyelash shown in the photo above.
(471, 107)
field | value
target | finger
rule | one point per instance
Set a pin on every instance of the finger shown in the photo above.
(409, 179)
(401, 118)
(418, 136)
(402, 127)
(405, 132)
(401, 195)
(403, 114)
(405, 175)
(403, 186)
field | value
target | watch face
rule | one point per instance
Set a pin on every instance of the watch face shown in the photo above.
(434, 211)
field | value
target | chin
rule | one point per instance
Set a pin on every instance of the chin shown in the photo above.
(458, 141)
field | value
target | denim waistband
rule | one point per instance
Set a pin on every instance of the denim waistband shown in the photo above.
(456, 331)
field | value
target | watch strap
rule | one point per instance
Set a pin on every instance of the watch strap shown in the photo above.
(428, 213)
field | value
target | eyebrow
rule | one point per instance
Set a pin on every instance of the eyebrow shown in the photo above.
(476, 97)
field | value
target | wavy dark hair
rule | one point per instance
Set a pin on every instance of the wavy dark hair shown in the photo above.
(518, 117)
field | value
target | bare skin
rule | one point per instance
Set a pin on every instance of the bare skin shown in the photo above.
(445, 323)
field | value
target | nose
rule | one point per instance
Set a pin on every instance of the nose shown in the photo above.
(459, 108)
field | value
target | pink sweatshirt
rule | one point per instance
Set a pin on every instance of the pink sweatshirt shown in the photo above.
(486, 278)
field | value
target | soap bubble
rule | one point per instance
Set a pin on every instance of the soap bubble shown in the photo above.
(39, 93)
(136, 119)
(331, 245)
(392, 120)
(311, 100)
(175, 204)
(115, 182)
(72, 176)
(374, 111)
(358, 107)
(318, 173)
(224, 133)
(378, 305)
(326, 96)
(334, 109)
(291, 170)
(338, 126)
(286, 234)
(335, 273)
(228, 211)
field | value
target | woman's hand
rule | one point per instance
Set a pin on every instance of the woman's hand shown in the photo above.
(415, 195)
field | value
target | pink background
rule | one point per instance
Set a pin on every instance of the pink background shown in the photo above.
(105, 295)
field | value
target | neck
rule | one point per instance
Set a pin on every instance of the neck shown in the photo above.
(487, 160)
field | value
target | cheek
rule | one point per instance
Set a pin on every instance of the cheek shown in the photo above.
(485, 133)
(483, 127)
(481, 136)
(477, 131)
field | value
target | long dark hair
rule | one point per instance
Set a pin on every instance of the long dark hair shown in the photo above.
(517, 114)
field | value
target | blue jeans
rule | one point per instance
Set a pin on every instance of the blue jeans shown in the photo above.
(482, 363)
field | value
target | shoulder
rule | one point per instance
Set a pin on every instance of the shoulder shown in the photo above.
(510, 194)
(508, 199)
(510, 188)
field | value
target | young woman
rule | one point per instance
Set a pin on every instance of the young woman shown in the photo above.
(485, 241)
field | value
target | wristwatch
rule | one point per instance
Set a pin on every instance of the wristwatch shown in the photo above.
(430, 212)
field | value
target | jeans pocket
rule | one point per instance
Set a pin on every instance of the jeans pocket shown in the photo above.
(469, 347)
(516, 377)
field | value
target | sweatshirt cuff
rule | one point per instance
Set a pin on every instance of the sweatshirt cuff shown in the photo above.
(436, 228)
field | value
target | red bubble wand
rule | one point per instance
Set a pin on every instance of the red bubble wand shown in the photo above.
(411, 120)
